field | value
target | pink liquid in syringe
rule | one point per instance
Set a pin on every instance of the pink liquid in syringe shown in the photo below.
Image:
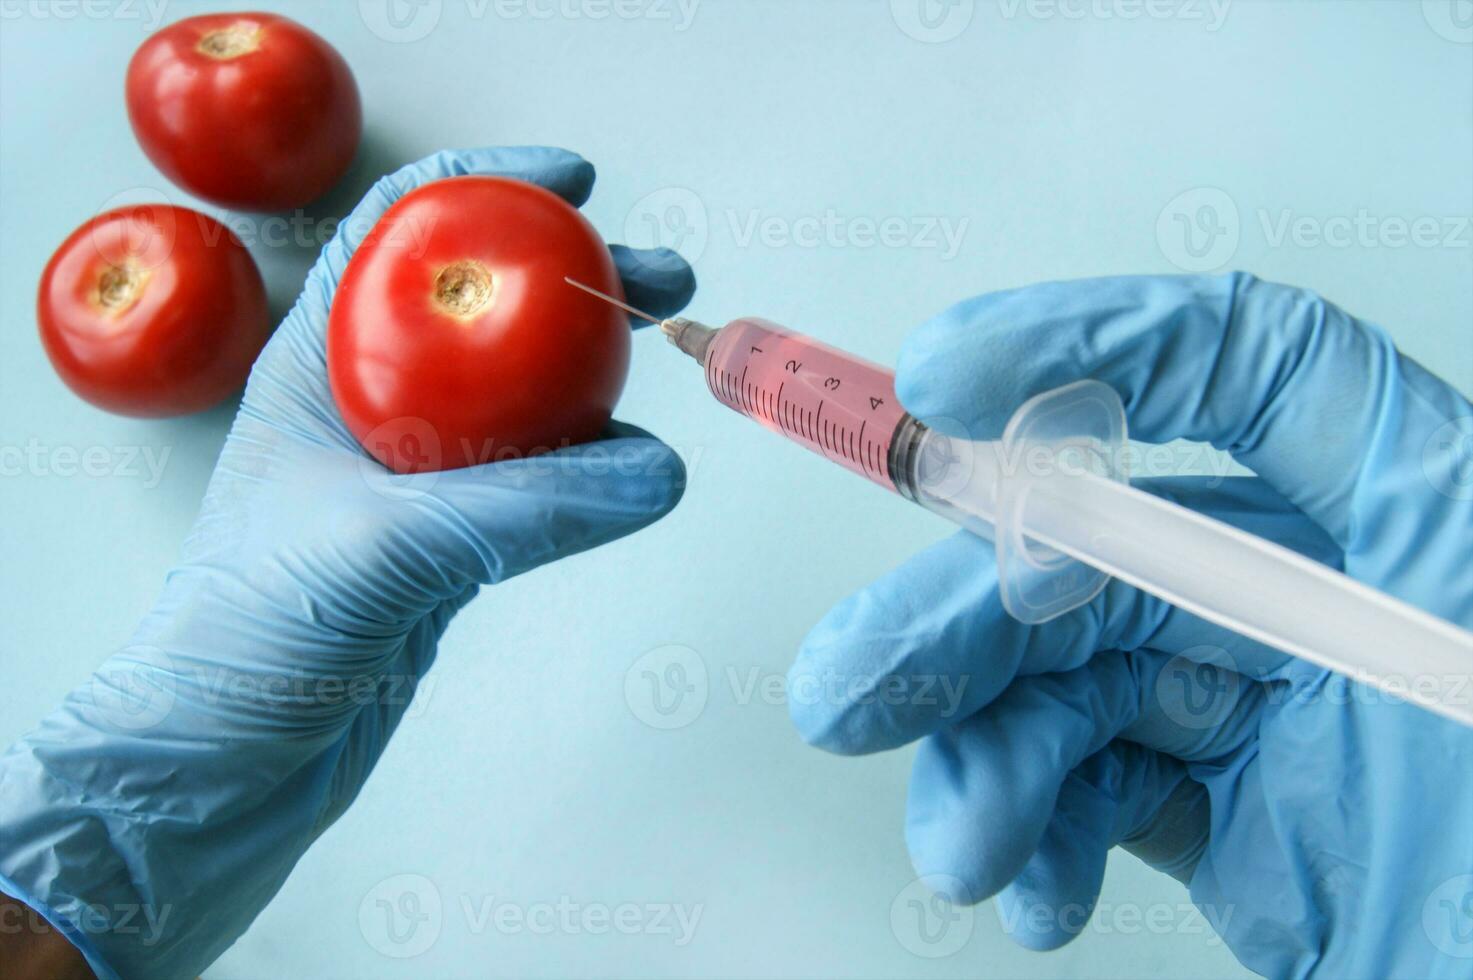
(835, 404)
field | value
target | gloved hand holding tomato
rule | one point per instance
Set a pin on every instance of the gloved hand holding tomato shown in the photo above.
(202, 759)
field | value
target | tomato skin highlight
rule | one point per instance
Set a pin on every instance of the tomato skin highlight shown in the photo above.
(249, 111)
(453, 339)
(152, 310)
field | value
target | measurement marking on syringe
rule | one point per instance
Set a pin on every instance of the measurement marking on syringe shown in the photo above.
(827, 409)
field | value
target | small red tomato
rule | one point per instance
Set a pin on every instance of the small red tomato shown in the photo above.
(152, 310)
(453, 339)
(248, 111)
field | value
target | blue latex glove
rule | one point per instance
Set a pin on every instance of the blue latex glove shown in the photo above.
(1323, 828)
(158, 810)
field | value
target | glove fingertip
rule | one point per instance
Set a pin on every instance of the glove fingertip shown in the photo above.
(553, 168)
(1038, 925)
(956, 829)
(666, 475)
(824, 721)
(498, 519)
(569, 176)
(892, 662)
(640, 474)
(942, 374)
(658, 281)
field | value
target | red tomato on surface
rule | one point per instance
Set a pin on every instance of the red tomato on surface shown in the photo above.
(249, 111)
(152, 310)
(453, 339)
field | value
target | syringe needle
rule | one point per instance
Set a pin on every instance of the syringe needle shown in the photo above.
(691, 337)
(609, 299)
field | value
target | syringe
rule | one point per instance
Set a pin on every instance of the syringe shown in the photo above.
(1053, 497)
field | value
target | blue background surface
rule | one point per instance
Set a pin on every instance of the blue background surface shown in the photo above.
(1065, 139)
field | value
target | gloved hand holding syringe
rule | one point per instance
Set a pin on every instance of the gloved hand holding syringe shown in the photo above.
(1053, 494)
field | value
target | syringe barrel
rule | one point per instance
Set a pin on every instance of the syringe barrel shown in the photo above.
(837, 405)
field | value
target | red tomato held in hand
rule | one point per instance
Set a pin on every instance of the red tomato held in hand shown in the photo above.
(453, 339)
(248, 111)
(152, 310)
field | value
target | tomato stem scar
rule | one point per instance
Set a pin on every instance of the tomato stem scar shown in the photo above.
(119, 286)
(463, 289)
(230, 42)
